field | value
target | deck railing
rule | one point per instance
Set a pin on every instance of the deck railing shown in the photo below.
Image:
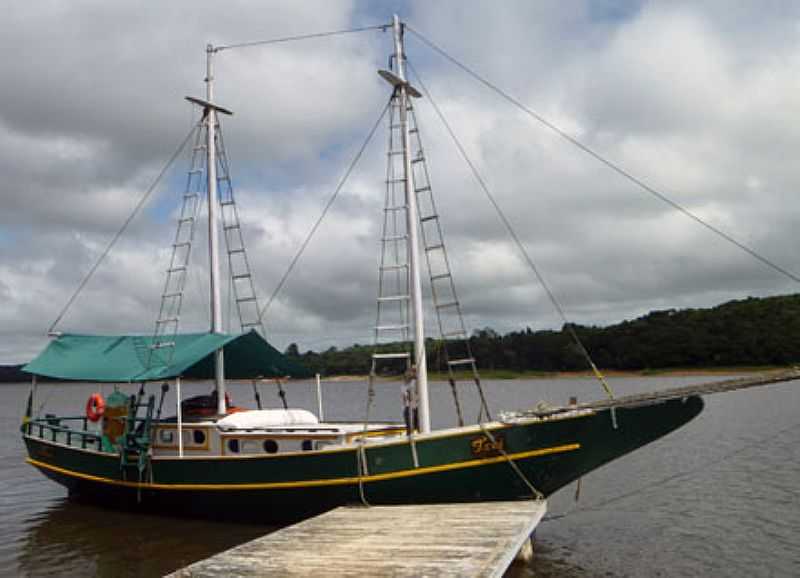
(52, 428)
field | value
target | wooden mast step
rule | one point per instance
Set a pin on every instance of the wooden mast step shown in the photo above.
(477, 539)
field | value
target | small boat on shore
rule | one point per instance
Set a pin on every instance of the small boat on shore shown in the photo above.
(275, 464)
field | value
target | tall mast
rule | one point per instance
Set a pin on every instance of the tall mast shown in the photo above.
(413, 238)
(213, 230)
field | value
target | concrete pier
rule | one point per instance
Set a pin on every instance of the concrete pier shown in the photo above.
(480, 539)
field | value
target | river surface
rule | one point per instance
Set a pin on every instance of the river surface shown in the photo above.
(719, 497)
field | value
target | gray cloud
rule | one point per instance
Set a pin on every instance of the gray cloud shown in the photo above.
(694, 99)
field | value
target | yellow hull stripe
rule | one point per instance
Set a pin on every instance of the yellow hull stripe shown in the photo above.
(312, 483)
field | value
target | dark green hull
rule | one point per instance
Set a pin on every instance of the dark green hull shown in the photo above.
(460, 465)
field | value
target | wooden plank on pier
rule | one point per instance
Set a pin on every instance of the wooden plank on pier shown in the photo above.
(479, 539)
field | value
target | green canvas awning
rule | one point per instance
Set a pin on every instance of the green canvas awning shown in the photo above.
(124, 358)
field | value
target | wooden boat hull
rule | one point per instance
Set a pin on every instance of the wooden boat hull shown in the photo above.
(458, 465)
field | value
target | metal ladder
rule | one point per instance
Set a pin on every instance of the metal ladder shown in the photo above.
(163, 343)
(393, 319)
(241, 278)
(243, 285)
(454, 339)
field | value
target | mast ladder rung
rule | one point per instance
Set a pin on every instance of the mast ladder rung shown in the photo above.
(245, 299)
(440, 276)
(422, 189)
(394, 153)
(456, 333)
(417, 160)
(434, 247)
(182, 244)
(176, 269)
(446, 305)
(172, 295)
(393, 267)
(199, 148)
(391, 355)
(413, 130)
(251, 324)
(235, 251)
(168, 320)
(427, 218)
(465, 361)
(162, 345)
(397, 208)
(240, 276)
(195, 171)
(226, 203)
(229, 227)
(394, 298)
(395, 181)
(391, 327)
(395, 238)
(183, 220)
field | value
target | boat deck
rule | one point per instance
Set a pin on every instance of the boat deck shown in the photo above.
(478, 539)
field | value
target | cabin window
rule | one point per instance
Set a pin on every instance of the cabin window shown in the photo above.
(167, 436)
(308, 445)
(233, 446)
(199, 436)
(270, 446)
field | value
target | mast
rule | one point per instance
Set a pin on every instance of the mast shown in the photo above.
(420, 362)
(213, 230)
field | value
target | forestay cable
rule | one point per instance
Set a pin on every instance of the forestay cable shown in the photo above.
(325, 210)
(551, 296)
(610, 164)
(122, 229)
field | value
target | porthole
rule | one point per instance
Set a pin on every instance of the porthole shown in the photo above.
(167, 436)
(199, 436)
(233, 446)
(308, 445)
(270, 446)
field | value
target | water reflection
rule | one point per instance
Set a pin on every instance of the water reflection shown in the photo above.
(71, 538)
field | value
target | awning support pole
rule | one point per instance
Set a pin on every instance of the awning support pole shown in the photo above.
(319, 400)
(180, 415)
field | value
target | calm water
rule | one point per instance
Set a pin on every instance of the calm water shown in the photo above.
(719, 497)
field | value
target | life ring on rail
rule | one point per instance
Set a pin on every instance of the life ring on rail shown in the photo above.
(95, 407)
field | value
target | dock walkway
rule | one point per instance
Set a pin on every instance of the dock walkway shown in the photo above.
(420, 540)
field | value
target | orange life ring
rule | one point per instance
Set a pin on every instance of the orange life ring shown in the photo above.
(95, 407)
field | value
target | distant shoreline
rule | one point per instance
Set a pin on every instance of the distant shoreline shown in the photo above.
(504, 374)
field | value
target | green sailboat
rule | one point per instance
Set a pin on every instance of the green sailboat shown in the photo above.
(280, 464)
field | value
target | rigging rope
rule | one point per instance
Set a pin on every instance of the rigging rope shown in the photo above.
(673, 477)
(607, 162)
(122, 229)
(300, 37)
(325, 210)
(551, 296)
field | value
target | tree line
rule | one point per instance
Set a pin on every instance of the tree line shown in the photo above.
(748, 332)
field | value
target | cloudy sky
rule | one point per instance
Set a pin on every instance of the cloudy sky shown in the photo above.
(699, 101)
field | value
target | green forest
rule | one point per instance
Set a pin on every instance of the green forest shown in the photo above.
(748, 332)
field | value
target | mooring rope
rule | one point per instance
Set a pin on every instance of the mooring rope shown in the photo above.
(676, 476)
(536, 493)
